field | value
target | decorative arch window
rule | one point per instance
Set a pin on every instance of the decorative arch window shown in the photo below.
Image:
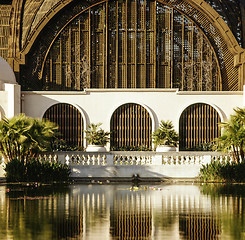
(131, 44)
(131, 128)
(198, 127)
(69, 121)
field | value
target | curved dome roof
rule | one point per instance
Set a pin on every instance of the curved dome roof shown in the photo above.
(35, 10)
(6, 72)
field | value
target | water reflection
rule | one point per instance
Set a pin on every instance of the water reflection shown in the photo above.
(199, 226)
(131, 216)
(122, 212)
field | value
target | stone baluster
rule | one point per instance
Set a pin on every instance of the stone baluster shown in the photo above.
(56, 158)
(172, 160)
(137, 161)
(126, 160)
(142, 160)
(82, 159)
(104, 160)
(93, 158)
(120, 159)
(131, 160)
(192, 161)
(77, 159)
(182, 160)
(50, 158)
(164, 160)
(115, 160)
(72, 159)
(99, 159)
(67, 159)
(88, 159)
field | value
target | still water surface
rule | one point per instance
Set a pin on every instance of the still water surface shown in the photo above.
(104, 212)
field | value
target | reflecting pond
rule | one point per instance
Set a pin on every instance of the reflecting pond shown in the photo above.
(100, 211)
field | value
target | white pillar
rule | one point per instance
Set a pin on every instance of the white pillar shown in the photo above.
(13, 100)
(243, 96)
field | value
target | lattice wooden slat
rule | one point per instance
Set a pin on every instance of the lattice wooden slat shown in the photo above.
(5, 11)
(198, 126)
(131, 127)
(140, 44)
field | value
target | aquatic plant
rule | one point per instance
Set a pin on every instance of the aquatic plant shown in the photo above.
(223, 172)
(36, 170)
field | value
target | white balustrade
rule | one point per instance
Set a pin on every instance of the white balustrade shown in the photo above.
(144, 164)
(135, 158)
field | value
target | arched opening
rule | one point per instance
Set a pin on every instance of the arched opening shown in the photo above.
(131, 128)
(198, 127)
(70, 123)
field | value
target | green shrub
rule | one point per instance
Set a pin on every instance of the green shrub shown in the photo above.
(131, 148)
(205, 146)
(63, 145)
(15, 171)
(225, 172)
(35, 170)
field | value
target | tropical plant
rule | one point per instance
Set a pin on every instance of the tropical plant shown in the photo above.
(232, 138)
(22, 138)
(165, 134)
(59, 144)
(96, 136)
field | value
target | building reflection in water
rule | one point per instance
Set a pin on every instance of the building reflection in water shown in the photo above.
(115, 212)
(131, 216)
(199, 226)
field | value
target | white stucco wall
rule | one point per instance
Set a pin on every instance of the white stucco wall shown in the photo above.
(99, 105)
(9, 91)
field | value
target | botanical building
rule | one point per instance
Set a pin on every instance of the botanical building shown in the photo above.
(125, 63)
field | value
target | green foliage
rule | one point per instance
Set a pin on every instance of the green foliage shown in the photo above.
(219, 189)
(205, 146)
(233, 135)
(15, 170)
(62, 145)
(211, 172)
(165, 134)
(96, 136)
(223, 172)
(36, 171)
(23, 138)
(131, 148)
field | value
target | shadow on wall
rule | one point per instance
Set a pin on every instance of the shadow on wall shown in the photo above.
(138, 172)
(2, 113)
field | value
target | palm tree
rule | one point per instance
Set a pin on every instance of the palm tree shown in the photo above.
(233, 135)
(24, 138)
(165, 134)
